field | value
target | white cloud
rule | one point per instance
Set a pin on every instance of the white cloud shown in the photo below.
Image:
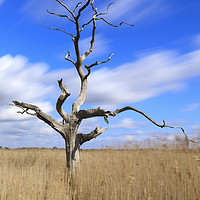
(128, 138)
(196, 40)
(121, 10)
(196, 127)
(191, 107)
(89, 125)
(147, 77)
(1, 2)
(126, 123)
(23, 81)
(19, 78)
(134, 10)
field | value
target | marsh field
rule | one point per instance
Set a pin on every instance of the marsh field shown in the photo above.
(107, 174)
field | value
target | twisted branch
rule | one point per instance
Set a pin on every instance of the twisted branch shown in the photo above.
(107, 10)
(84, 114)
(95, 133)
(41, 115)
(70, 60)
(96, 63)
(61, 99)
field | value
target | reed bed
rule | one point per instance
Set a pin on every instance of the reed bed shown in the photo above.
(107, 174)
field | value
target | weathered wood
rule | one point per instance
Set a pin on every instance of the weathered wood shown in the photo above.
(69, 128)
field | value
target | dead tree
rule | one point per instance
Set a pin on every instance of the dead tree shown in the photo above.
(68, 129)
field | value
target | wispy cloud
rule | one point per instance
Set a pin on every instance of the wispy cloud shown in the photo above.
(122, 9)
(1, 2)
(147, 77)
(23, 81)
(196, 127)
(127, 123)
(191, 107)
(135, 10)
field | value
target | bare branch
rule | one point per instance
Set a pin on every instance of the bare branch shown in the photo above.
(66, 57)
(140, 112)
(83, 8)
(87, 53)
(107, 10)
(66, 8)
(81, 99)
(84, 114)
(95, 133)
(61, 99)
(58, 29)
(26, 111)
(113, 24)
(77, 104)
(78, 4)
(96, 63)
(41, 115)
(86, 24)
(52, 13)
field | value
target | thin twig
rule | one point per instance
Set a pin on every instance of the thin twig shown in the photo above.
(78, 4)
(93, 33)
(66, 57)
(113, 24)
(52, 13)
(58, 29)
(107, 10)
(66, 8)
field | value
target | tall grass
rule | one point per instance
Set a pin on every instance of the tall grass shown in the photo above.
(39, 174)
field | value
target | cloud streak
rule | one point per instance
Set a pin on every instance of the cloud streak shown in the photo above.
(1, 2)
(147, 77)
(191, 107)
(134, 10)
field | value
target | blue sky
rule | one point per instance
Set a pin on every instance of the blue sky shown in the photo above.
(155, 68)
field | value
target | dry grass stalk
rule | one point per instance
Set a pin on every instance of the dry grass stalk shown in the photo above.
(103, 174)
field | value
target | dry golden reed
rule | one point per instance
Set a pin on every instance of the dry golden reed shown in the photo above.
(149, 174)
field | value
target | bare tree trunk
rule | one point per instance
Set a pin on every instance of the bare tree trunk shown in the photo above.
(72, 142)
(72, 146)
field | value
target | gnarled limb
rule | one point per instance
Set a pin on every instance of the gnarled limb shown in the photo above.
(87, 137)
(84, 114)
(79, 102)
(61, 99)
(41, 115)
